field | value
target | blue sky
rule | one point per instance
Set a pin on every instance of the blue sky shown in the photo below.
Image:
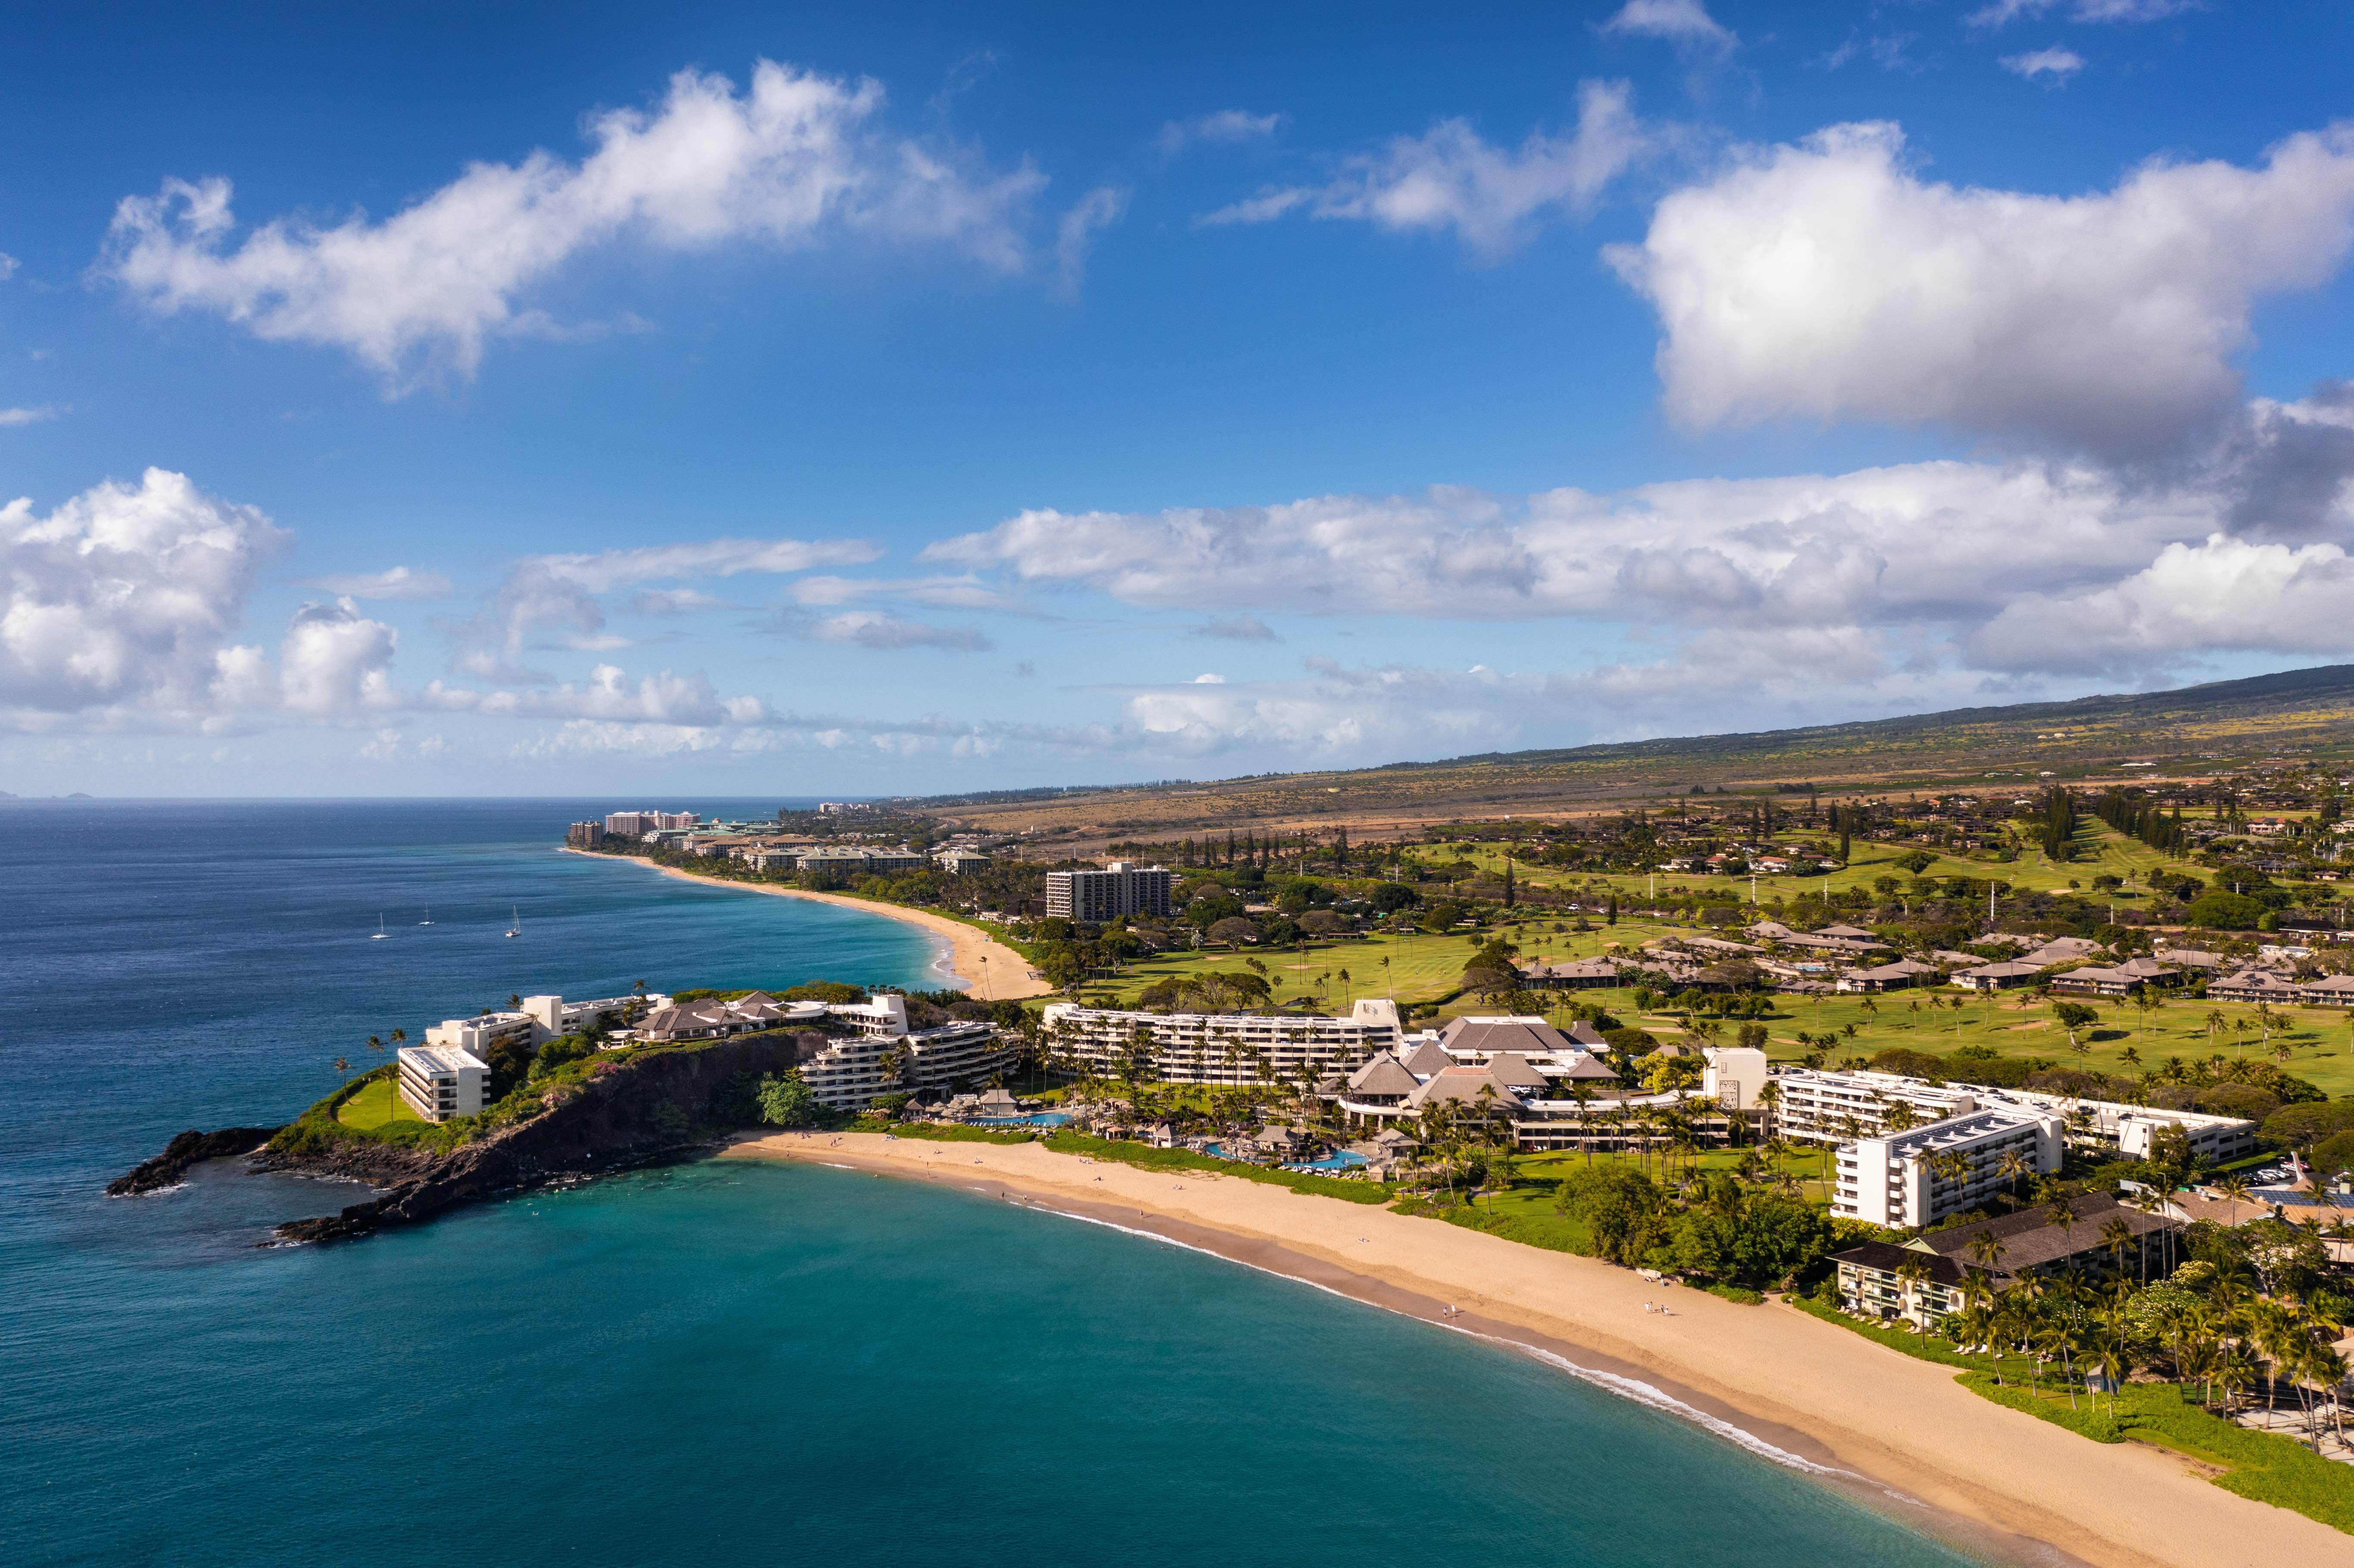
(921, 398)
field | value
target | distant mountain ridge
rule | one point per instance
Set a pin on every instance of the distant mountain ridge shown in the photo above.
(2214, 727)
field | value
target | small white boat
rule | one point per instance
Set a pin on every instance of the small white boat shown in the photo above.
(517, 928)
(429, 915)
(379, 930)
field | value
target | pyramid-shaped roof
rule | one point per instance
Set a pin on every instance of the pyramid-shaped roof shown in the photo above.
(1512, 1067)
(1427, 1059)
(1384, 1075)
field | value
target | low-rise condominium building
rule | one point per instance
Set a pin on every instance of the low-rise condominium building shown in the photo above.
(1920, 1280)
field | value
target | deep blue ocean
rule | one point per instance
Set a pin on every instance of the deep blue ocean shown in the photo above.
(705, 1364)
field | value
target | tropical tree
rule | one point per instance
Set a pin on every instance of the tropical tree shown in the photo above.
(2013, 1167)
(1913, 1274)
(2234, 1189)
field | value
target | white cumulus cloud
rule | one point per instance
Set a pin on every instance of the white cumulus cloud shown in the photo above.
(1683, 22)
(2122, 13)
(791, 159)
(394, 582)
(2056, 62)
(1075, 237)
(1452, 178)
(1224, 126)
(121, 601)
(1828, 280)
(884, 632)
(1994, 570)
(335, 662)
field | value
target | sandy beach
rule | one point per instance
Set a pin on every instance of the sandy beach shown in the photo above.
(1823, 1397)
(980, 962)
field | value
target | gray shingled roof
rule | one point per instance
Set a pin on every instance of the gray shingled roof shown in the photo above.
(1512, 1067)
(1383, 1076)
(1427, 1059)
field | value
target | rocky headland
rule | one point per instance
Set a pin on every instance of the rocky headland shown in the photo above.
(653, 1105)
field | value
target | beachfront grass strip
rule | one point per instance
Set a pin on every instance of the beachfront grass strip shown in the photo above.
(1145, 1157)
(938, 1132)
(1530, 1226)
(2263, 1466)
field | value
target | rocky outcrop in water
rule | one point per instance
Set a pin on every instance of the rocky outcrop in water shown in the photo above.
(627, 1113)
(190, 1147)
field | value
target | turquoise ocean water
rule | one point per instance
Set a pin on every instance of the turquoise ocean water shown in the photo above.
(709, 1364)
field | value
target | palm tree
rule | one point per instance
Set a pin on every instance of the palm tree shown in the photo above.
(2234, 1189)
(2063, 1214)
(2013, 1166)
(1986, 1251)
(2117, 1236)
(1913, 1274)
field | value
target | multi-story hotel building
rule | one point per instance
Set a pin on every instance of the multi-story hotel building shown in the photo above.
(1118, 889)
(1833, 1107)
(441, 1081)
(1814, 1106)
(849, 1072)
(1230, 1048)
(1907, 1180)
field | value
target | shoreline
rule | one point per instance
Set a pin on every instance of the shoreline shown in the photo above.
(975, 961)
(1903, 1432)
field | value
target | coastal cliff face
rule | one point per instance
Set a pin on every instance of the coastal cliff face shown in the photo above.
(624, 1114)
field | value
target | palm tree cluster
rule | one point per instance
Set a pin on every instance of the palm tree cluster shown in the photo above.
(2211, 1327)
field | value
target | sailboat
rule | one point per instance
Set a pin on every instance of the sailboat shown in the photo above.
(379, 930)
(516, 930)
(429, 915)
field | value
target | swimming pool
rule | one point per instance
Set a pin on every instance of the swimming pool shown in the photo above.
(1340, 1159)
(1036, 1118)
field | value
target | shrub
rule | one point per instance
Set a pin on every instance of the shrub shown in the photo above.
(2221, 911)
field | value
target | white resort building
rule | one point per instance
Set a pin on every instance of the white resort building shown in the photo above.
(1229, 1048)
(441, 1081)
(1907, 1180)
(1118, 889)
(1815, 1106)
(885, 1056)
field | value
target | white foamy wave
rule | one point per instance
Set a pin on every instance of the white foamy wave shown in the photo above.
(1658, 1399)
(1627, 1388)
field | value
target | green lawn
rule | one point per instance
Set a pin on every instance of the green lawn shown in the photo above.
(373, 1105)
(1419, 969)
(2100, 852)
